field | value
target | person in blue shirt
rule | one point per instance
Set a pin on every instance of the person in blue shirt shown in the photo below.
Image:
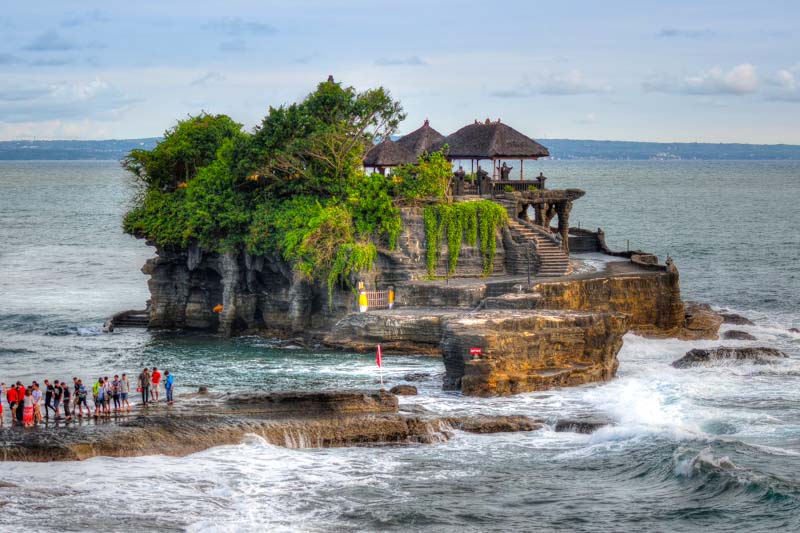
(170, 380)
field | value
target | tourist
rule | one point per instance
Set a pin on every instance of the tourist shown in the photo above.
(36, 394)
(126, 390)
(144, 385)
(48, 399)
(66, 397)
(156, 380)
(81, 403)
(11, 397)
(107, 396)
(20, 397)
(27, 409)
(57, 391)
(75, 396)
(116, 389)
(97, 391)
(168, 383)
(2, 391)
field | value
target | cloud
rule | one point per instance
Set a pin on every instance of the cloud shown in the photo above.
(685, 33)
(51, 62)
(554, 84)
(82, 19)
(785, 85)
(233, 45)
(94, 99)
(236, 26)
(588, 118)
(398, 61)
(8, 59)
(210, 78)
(50, 41)
(739, 80)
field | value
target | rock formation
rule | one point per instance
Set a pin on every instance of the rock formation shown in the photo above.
(294, 420)
(736, 319)
(700, 356)
(737, 335)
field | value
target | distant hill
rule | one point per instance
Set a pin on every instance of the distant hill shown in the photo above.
(72, 150)
(559, 149)
(575, 149)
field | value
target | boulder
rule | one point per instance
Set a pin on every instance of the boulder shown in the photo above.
(495, 424)
(580, 426)
(794, 330)
(417, 376)
(404, 390)
(736, 319)
(700, 356)
(736, 335)
(701, 322)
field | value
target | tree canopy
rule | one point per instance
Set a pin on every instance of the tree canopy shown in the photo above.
(295, 186)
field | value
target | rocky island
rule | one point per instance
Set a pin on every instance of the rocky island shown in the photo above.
(279, 233)
(284, 233)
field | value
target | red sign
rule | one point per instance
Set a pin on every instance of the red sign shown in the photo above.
(475, 351)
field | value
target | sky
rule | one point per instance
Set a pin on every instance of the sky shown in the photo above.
(710, 71)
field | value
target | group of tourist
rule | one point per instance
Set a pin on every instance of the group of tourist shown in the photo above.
(25, 403)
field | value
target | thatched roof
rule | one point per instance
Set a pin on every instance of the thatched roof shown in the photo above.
(388, 153)
(421, 140)
(492, 140)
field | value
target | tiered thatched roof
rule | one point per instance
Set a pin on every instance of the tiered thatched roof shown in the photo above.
(388, 153)
(421, 140)
(492, 140)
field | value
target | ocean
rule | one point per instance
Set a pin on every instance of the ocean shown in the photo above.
(704, 449)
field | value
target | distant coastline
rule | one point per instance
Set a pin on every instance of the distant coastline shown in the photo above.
(563, 149)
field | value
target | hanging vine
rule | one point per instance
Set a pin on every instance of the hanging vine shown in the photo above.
(452, 221)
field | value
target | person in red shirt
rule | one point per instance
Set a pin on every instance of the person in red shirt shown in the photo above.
(156, 379)
(11, 396)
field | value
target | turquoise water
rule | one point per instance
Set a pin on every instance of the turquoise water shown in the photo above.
(704, 449)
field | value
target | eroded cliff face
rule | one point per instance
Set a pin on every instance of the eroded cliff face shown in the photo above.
(257, 294)
(521, 350)
(652, 301)
(530, 351)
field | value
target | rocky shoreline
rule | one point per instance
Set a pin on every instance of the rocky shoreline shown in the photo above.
(288, 419)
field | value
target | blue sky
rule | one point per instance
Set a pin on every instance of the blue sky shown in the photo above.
(710, 71)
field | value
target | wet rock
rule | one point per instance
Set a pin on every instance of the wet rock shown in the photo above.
(495, 424)
(417, 376)
(794, 330)
(701, 322)
(202, 390)
(579, 426)
(736, 319)
(737, 335)
(700, 356)
(291, 419)
(404, 390)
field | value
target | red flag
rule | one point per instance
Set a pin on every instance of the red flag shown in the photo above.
(378, 357)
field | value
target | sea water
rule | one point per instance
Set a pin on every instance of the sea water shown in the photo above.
(697, 449)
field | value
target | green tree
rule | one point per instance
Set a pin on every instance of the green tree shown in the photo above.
(187, 147)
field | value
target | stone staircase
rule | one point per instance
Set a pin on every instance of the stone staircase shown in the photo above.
(552, 260)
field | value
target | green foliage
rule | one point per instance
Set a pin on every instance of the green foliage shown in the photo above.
(350, 259)
(315, 146)
(508, 188)
(451, 221)
(429, 178)
(373, 209)
(187, 147)
(533, 188)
